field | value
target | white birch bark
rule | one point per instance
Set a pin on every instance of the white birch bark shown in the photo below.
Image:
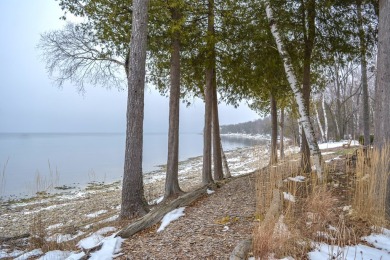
(325, 119)
(304, 118)
(319, 123)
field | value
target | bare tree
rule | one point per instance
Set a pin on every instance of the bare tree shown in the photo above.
(73, 54)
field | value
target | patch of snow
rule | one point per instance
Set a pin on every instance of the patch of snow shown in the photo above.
(288, 196)
(76, 256)
(90, 242)
(96, 214)
(105, 230)
(55, 226)
(324, 251)
(210, 191)
(13, 254)
(297, 178)
(60, 238)
(32, 253)
(111, 246)
(380, 241)
(327, 153)
(169, 217)
(159, 200)
(56, 254)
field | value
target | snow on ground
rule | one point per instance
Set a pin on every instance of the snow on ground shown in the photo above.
(337, 144)
(296, 178)
(96, 214)
(171, 216)
(379, 249)
(210, 191)
(288, 196)
(32, 253)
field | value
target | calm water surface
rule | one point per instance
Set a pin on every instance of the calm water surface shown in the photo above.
(33, 162)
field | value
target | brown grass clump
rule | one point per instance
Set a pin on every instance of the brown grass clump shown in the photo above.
(372, 176)
(39, 234)
(319, 210)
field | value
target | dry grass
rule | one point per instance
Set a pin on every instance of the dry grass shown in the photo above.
(372, 175)
(317, 215)
(38, 235)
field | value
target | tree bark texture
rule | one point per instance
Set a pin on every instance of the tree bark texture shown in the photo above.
(133, 200)
(217, 155)
(304, 115)
(225, 163)
(382, 92)
(172, 187)
(208, 93)
(308, 27)
(274, 131)
(325, 119)
(319, 123)
(363, 67)
(281, 136)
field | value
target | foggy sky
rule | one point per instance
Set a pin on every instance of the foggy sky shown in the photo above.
(30, 101)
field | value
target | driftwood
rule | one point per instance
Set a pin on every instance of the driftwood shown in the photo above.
(242, 250)
(154, 216)
(6, 239)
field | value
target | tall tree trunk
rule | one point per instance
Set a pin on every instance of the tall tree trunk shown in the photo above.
(308, 26)
(304, 115)
(133, 200)
(217, 155)
(172, 187)
(274, 131)
(208, 92)
(281, 136)
(363, 67)
(382, 95)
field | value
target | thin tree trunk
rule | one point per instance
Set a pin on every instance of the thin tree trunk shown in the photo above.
(363, 66)
(217, 155)
(133, 200)
(225, 164)
(325, 119)
(274, 131)
(172, 187)
(281, 133)
(304, 116)
(338, 106)
(319, 123)
(210, 74)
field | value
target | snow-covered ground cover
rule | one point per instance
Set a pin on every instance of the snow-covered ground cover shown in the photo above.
(378, 248)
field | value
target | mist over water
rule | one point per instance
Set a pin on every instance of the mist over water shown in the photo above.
(36, 162)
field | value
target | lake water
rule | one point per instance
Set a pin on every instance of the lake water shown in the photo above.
(34, 162)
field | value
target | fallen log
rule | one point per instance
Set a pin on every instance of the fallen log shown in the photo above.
(154, 216)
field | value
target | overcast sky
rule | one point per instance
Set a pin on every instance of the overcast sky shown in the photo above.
(30, 101)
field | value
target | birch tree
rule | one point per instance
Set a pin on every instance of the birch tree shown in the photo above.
(294, 84)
